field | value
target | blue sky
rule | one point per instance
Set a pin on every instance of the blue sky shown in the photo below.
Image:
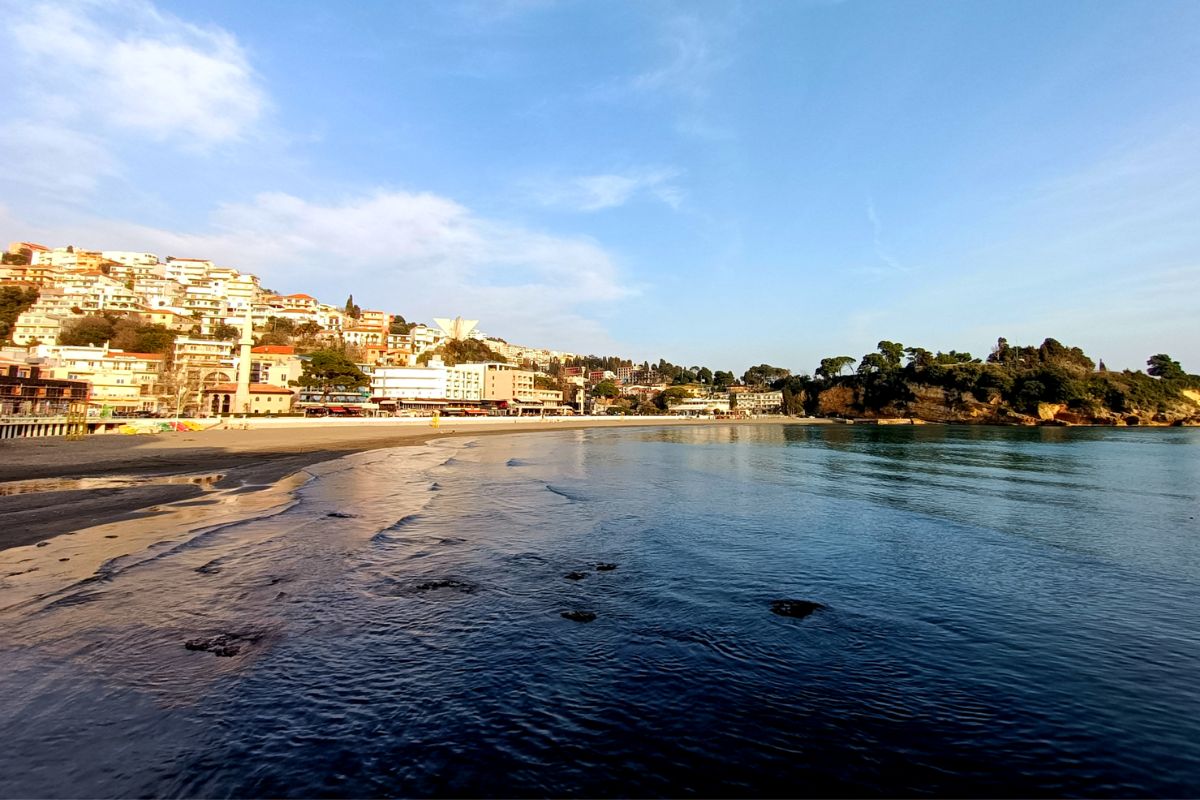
(715, 183)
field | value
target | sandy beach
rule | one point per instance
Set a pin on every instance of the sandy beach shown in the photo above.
(52, 486)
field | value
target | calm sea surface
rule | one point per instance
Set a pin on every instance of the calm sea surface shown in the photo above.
(1008, 612)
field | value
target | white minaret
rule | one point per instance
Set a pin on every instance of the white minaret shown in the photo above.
(241, 401)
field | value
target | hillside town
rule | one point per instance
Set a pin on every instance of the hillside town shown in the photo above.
(118, 334)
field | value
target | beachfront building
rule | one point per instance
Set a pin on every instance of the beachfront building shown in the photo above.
(26, 391)
(711, 405)
(121, 382)
(264, 399)
(415, 388)
(493, 385)
(758, 402)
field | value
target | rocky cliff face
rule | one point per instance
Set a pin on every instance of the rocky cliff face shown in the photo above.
(936, 404)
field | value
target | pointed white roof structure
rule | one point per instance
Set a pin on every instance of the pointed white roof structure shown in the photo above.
(457, 328)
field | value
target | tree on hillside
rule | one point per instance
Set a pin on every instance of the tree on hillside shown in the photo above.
(918, 357)
(465, 351)
(704, 375)
(1164, 367)
(351, 309)
(94, 329)
(605, 389)
(307, 330)
(399, 325)
(329, 370)
(13, 301)
(954, 357)
(280, 325)
(669, 397)
(271, 338)
(832, 367)
(764, 374)
(723, 379)
(134, 337)
(884, 360)
(225, 333)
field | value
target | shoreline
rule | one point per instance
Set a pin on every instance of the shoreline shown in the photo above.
(60, 477)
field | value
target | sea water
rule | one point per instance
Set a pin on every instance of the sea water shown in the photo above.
(1006, 612)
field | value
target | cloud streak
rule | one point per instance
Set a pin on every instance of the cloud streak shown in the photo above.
(588, 193)
(882, 253)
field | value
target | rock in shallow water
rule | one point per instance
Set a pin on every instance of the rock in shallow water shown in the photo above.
(579, 616)
(449, 583)
(340, 515)
(605, 567)
(223, 645)
(575, 576)
(795, 608)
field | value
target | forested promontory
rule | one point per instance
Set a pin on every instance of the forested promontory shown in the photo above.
(1015, 384)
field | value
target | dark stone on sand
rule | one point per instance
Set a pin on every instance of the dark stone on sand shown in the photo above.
(798, 609)
(64, 559)
(211, 568)
(579, 616)
(575, 576)
(110, 536)
(605, 567)
(340, 515)
(42, 544)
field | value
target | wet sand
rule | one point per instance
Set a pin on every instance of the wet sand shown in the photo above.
(61, 501)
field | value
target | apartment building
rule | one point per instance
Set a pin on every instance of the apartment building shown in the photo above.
(159, 292)
(186, 270)
(92, 291)
(69, 258)
(37, 327)
(27, 249)
(363, 337)
(33, 274)
(275, 365)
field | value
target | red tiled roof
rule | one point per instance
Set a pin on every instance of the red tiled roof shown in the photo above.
(305, 296)
(255, 388)
(274, 349)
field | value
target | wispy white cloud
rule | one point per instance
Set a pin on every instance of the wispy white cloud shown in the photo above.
(53, 159)
(416, 253)
(88, 79)
(609, 190)
(692, 58)
(127, 66)
(891, 263)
